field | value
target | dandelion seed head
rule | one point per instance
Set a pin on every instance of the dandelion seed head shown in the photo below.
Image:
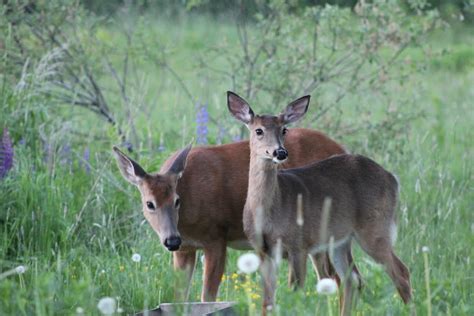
(20, 269)
(248, 263)
(425, 249)
(136, 257)
(107, 305)
(326, 286)
(80, 311)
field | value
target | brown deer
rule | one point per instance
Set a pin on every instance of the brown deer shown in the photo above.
(363, 199)
(210, 195)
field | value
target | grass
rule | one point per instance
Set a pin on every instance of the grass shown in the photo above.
(76, 230)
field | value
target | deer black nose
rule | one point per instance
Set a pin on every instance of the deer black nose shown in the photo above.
(280, 153)
(173, 243)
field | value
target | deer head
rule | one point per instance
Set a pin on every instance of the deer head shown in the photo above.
(158, 194)
(267, 132)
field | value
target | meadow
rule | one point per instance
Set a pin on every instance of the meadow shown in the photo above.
(73, 223)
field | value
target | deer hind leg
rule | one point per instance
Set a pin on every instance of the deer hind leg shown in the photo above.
(323, 267)
(297, 269)
(184, 261)
(343, 265)
(377, 243)
(356, 276)
(214, 264)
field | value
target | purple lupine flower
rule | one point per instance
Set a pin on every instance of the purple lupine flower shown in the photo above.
(22, 141)
(66, 158)
(236, 138)
(6, 154)
(86, 160)
(202, 119)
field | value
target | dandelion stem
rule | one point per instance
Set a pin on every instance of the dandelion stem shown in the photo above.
(427, 283)
(329, 306)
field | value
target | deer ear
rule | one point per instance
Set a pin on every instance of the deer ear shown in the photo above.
(295, 110)
(239, 108)
(130, 170)
(178, 165)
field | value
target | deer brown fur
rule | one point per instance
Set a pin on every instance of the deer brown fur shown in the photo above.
(363, 199)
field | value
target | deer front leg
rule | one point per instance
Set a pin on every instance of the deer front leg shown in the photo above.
(214, 264)
(184, 262)
(297, 269)
(269, 277)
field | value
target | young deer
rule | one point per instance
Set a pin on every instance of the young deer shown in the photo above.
(363, 200)
(210, 196)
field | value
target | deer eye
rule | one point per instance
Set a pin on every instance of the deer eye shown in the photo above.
(259, 131)
(150, 205)
(177, 203)
(284, 131)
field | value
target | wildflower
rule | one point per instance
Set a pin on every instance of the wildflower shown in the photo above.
(425, 249)
(86, 157)
(107, 305)
(6, 154)
(255, 296)
(248, 263)
(66, 158)
(120, 310)
(136, 257)
(326, 286)
(236, 138)
(20, 269)
(79, 311)
(202, 119)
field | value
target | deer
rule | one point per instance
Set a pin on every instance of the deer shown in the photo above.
(363, 198)
(197, 198)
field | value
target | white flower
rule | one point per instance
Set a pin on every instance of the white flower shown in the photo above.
(425, 249)
(80, 311)
(248, 263)
(120, 310)
(107, 305)
(326, 286)
(20, 269)
(136, 257)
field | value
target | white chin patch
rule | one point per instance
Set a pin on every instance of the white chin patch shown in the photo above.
(277, 161)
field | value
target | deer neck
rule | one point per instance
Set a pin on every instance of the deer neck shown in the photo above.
(263, 190)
